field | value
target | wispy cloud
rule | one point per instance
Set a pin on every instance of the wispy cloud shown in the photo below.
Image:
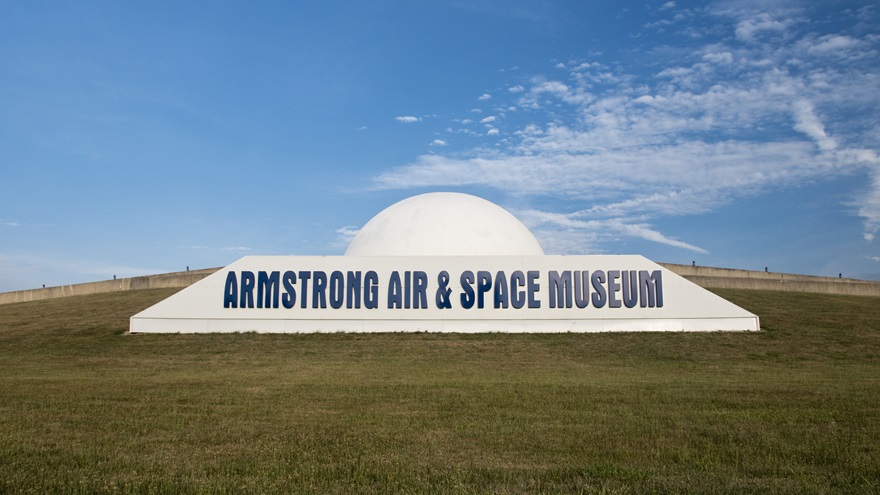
(407, 119)
(738, 117)
(869, 209)
(753, 27)
(484, 97)
(344, 235)
(834, 43)
(541, 220)
(197, 247)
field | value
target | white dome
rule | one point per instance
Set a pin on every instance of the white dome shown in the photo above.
(444, 224)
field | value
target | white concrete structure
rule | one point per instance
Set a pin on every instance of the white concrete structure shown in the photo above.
(430, 263)
(444, 224)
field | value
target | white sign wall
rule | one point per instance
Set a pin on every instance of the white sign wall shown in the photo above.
(443, 294)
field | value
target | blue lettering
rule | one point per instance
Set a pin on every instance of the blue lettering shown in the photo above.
(395, 295)
(597, 280)
(247, 290)
(651, 289)
(337, 289)
(560, 288)
(420, 287)
(288, 299)
(533, 288)
(630, 294)
(581, 288)
(613, 288)
(501, 290)
(484, 283)
(517, 297)
(354, 290)
(267, 289)
(371, 290)
(319, 296)
(467, 296)
(230, 292)
(304, 291)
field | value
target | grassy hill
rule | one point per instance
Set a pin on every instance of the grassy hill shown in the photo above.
(85, 408)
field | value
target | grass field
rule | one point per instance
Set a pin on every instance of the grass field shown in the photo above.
(85, 408)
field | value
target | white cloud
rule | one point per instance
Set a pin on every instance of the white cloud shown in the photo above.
(571, 164)
(492, 132)
(667, 6)
(488, 120)
(555, 89)
(484, 97)
(197, 247)
(764, 23)
(870, 208)
(516, 89)
(733, 119)
(438, 142)
(569, 222)
(551, 87)
(407, 119)
(831, 43)
(807, 122)
(719, 57)
(639, 182)
(345, 235)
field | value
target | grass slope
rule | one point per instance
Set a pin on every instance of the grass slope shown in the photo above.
(792, 409)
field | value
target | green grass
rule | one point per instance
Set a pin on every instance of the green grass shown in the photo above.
(85, 408)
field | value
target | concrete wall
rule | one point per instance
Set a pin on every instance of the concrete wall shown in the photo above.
(167, 280)
(728, 278)
(704, 276)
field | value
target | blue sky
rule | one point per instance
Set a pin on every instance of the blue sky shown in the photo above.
(145, 137)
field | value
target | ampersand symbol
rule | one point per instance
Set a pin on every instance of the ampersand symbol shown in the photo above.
(442, 297)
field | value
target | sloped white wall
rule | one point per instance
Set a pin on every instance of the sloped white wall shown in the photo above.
(200, 307)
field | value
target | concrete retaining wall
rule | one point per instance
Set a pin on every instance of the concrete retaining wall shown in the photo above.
(728, 278)
(166, 280)
(704, 276)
